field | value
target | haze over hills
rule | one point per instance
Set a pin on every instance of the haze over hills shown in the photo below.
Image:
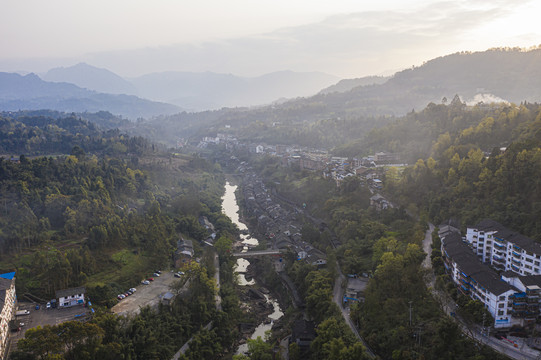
(92, 78)
(509, 75)
(197, 91)
(31, 93)
(348, 84)
(499, 74)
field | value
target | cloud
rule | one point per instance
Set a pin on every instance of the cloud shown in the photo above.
(346, 45)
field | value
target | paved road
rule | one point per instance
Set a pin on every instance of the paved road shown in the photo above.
(338, 295)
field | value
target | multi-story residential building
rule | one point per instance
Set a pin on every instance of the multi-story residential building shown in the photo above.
(524, 304)
(477, 280)
(504, 249)
(7, 304)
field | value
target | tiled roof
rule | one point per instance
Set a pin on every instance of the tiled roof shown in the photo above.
(491, 281)
(69, 292)
(504, 233)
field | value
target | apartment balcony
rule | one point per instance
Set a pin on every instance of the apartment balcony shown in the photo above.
(515, 268)
(516, 262)
(515, 254)
(499, 246)
(502, 241)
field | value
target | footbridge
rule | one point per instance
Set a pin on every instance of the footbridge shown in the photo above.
(258, 253)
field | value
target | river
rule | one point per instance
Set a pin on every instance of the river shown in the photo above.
(230, 207)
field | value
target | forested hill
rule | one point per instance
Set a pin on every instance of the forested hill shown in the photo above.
(468, 163)
(38, 133)
(509, 74)
(431, 131)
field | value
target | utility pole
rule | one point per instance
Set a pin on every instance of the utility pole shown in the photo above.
(484, 317)
(410, 312)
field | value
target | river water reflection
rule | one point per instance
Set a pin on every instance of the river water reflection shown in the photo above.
(231, 209)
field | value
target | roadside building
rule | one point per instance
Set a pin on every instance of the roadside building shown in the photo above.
(70, 297)
(184, 252)
(504, 249)
(512, 298)
(7, 304)
(168, 298)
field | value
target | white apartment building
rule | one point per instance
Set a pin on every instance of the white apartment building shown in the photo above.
(7, 304)
(504, 249)
(477, 280)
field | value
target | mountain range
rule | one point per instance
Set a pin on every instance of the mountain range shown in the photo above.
(196, 91)
(511, 75)
(508, 75)
(30, 92)
(503, 74)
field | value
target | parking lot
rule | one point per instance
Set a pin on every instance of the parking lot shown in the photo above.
(146, 295)
(43, 317)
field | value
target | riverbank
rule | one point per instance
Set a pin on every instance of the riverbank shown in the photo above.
(258, 305)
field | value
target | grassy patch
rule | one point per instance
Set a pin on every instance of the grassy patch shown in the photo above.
(124, 267)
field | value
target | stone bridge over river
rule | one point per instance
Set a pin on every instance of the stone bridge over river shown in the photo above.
(257, 253)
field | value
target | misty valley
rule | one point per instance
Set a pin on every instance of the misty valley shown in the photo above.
(291, 215)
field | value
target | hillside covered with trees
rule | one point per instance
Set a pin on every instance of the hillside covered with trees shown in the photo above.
(506, 74)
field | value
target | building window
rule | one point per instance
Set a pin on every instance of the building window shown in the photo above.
(536, 263)
(500, 312)
(502, 298)
(500, 306)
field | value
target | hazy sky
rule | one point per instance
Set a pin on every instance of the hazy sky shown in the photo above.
(347, 38)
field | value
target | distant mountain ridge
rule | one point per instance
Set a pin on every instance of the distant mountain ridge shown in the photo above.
(209, 91)
(91, 78)
(29, 92)
(513, 75)
(510, 74)
(348, 84)
(197, 91)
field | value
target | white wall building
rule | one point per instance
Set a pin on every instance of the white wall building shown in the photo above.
(508, 303)
(71, 297)
(7, 303)
(504, 249)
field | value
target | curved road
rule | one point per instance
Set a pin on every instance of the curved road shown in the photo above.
(338, 295)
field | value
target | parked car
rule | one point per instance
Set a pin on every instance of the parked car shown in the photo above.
(37, 306)
(156, 275)
(48, 306)
(181, 272)
(133, 290)
(158, 272)
(145, 282)
(177, 275)
(150, 279)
